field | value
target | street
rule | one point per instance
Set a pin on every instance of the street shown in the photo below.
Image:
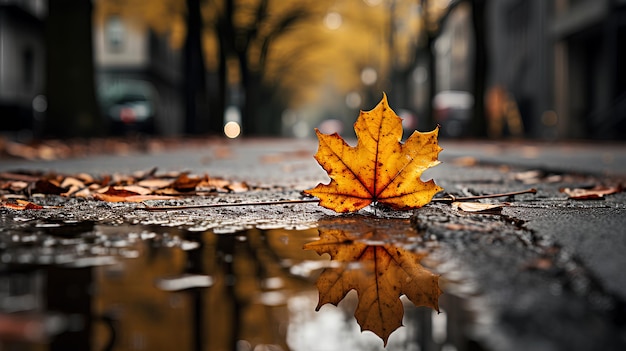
(544, 272)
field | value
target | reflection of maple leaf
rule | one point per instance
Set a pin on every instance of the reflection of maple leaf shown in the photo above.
(382, 273)
(380, 168)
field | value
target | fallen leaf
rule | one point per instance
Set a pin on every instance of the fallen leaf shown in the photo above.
(130, 198)
(596, 192)
(156, 183)
(73, 185)
(476, 206)
(21, 205)
(15, 186)
(380, 274)
(135, 189)
(529, 177)
(379, 168)
(465, 161)
(117, 191)
(185, 183)
(85, 178)
(45, 186)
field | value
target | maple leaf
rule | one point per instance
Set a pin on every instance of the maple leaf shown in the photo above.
(380, 168)
(383, 273)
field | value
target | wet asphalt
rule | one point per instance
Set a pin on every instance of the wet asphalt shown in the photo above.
(545, 273)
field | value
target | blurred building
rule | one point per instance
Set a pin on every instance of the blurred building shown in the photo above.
(589, 47)
(22, 63)
(555, 69)
(137, 71)
(454, 51)
(562, 62)
(136, 64)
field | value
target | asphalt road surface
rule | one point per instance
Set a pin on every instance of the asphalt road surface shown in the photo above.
(545, 273)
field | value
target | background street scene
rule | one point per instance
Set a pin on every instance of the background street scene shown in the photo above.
(154, 158)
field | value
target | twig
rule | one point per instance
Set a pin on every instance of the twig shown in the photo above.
(232, 204)
(289, 202)
(477, 197)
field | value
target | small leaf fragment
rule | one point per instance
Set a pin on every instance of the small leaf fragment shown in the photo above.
(597, 192)
(476, 206)
(21, 205)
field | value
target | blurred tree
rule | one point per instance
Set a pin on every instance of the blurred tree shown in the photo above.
(183, 23)
(479, 125)
(246, 33)
(434, 15)
(263, 56)
(72, 107)
(405, 27)
(197, 116)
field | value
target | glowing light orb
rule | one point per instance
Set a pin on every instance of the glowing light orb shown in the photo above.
(232, 130)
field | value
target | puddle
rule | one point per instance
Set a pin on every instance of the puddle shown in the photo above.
(81, 286)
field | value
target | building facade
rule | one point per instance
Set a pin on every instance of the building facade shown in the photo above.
(134, 59)
(589, 47)
(562, 63)
(127, 55)
(22, 64)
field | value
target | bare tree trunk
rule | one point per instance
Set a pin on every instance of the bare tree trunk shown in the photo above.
(479, 121)
(197, 116)
(72, 105)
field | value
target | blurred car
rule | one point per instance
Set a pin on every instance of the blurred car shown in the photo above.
(453, 112)
(129, 106)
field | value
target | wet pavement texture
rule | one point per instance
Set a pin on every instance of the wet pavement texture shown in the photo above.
(542, 273)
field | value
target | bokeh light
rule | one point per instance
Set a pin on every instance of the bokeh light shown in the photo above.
(232, 130)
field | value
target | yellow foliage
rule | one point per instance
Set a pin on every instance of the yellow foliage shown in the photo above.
(307, 54)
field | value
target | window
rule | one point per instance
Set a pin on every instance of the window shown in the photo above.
(114, 33)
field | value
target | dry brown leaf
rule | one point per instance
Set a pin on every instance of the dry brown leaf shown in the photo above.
(131, 198)
(21, 205)
(597, 192)
(118, 191)
(72, 185)
(465, 161)
(139, 190)
(85, 178)
(45, 186)
(156, 183)
(476, 206)
(15, 186)
(185, 183)
(238, 187)
(529, 177)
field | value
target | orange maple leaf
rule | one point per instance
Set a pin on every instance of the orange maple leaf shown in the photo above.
(382, 273)
(380, 168)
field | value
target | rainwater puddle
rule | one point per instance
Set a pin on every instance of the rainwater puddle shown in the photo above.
(80, 286)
